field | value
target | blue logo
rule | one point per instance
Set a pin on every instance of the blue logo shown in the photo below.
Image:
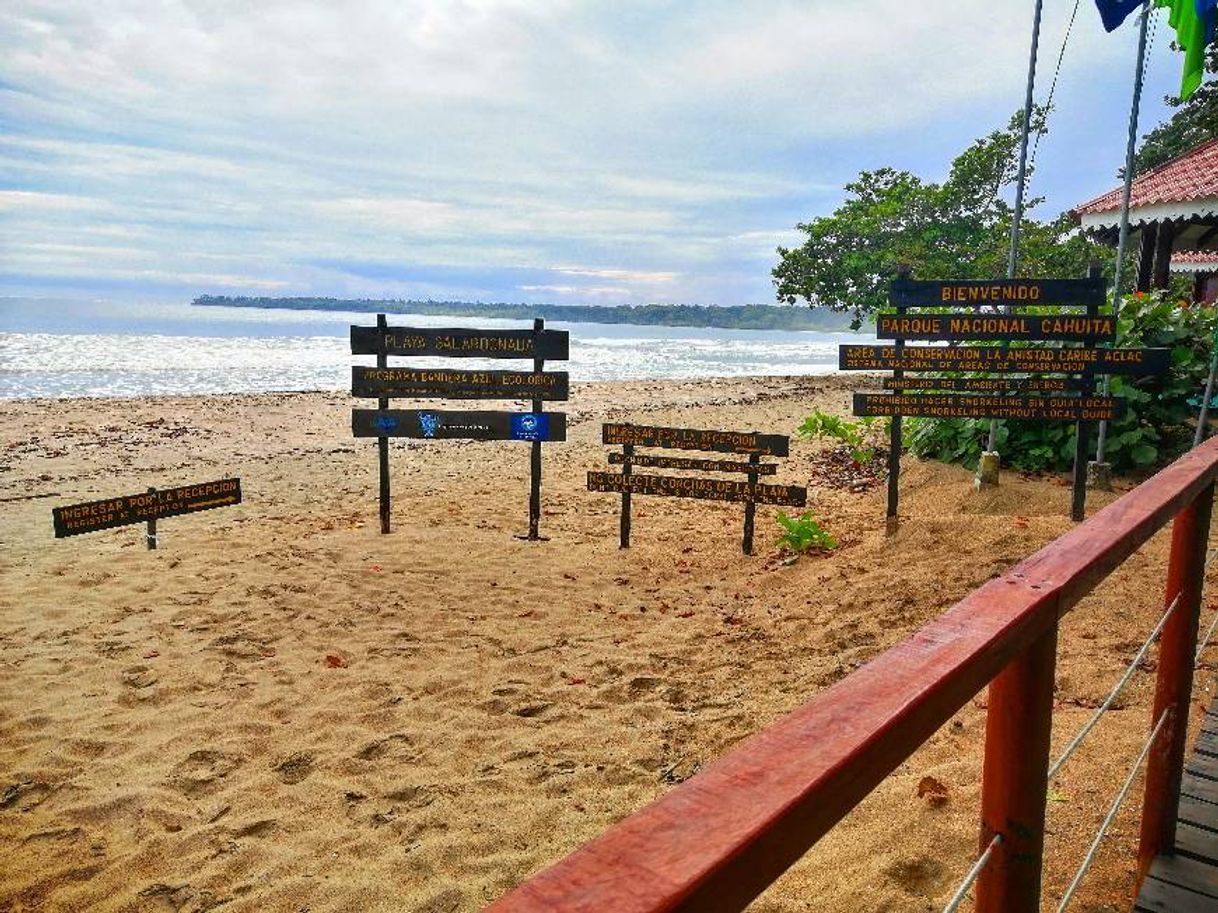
(429, 423)
(530, 426)
(385, 423)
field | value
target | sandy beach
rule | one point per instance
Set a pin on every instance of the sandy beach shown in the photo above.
(281, 709)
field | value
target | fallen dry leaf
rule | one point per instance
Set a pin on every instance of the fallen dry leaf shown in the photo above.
(932, 790)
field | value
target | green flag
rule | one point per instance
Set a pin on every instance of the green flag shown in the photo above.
(1190, 35)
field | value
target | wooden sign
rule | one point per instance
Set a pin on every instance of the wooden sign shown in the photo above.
(460, 342)
(930, 405)
(1002, 359)
(986, 384)
(663, 462)
(150, 506)
(446, 384)
(958, 293)
(1001, 328)
(433, 424)
(383, 382)
(696, 439)
(704, 489)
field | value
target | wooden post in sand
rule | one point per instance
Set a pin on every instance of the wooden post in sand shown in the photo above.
(535, 456)
(382, 442)
(750, 506)
(150, 535)
(750, 493)
(892, 518)
(624, 535)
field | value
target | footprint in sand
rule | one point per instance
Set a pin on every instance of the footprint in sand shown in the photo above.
(181, 898)
(446, 901)
(25, 795)
(920, 875)
(139, 677)
(378, 748)
(198, 774)
(294, 767)
(412, 796)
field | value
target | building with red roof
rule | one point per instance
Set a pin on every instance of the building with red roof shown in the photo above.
(1173, 210)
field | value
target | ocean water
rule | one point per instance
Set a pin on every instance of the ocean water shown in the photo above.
(53, 348)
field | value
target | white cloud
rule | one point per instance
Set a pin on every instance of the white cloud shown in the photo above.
(630, 275)
(657, 148)
(29, 200)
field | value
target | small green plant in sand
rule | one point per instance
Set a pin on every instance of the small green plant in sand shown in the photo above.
(861, 438)
(802, 534)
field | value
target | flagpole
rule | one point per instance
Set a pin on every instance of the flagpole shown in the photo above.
(991, 477)
(1123, 234)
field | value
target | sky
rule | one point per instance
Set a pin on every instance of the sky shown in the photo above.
(507, 150)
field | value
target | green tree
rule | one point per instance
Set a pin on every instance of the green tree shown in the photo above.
(1195, 121)
(957, 229)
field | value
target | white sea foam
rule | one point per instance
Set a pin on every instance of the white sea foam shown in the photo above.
(108, 350)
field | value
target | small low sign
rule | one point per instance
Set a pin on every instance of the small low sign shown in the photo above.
(460, 342)
(1002, 328)
(696, 439)
(663, 462)
(704, 489)
(108, 513)
(446, 384)
(998, 292)
(985, 384)
(1003, 359)
(929, 405)
(435, 424)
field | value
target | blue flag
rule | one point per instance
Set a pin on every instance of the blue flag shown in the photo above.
(1114, 12)
(1207, 12)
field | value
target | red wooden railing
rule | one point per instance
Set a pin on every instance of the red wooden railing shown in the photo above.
(718, 840)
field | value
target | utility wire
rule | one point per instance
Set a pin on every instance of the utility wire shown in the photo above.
(1061, 55)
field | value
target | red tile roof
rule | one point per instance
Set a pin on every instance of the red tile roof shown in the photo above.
(1194, 256)
(1188, 177)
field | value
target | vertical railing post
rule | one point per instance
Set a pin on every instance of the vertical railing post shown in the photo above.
(1174, 687)
(1014, 785)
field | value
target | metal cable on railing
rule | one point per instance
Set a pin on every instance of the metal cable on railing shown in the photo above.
(1120, 685)
(1112, 813)
(973, 873)
(1132, 667)
(1209, 634)
(962, 892)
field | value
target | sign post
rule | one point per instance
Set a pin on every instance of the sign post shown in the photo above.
(384, 383)
(535, 454)
(108, 513)
(751, 492)
(1069, 398)
(150, 532)
(382, 442)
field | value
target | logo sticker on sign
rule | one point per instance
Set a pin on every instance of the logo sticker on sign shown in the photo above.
(429, 423)
(385, 423)
(530, 426)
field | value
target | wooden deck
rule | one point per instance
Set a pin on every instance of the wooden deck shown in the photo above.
(1187, 882)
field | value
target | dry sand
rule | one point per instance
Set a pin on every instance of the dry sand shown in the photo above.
(172, 736)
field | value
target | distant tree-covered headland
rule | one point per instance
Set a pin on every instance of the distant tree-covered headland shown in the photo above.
(744, 317)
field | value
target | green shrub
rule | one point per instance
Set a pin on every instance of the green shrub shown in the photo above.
(802, 533)
(1160, 410)
(863, 438)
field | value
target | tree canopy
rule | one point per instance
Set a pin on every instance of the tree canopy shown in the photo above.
(957, 229)
(1194, 122)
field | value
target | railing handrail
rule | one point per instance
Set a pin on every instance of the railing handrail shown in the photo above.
(719, 839)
